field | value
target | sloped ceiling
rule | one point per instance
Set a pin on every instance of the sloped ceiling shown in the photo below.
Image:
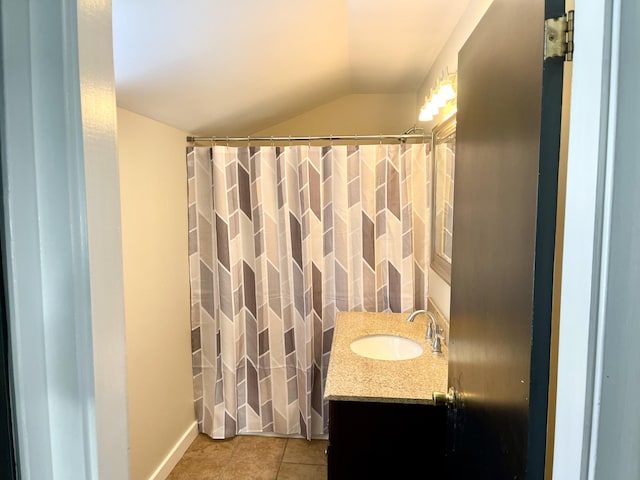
(233, 67)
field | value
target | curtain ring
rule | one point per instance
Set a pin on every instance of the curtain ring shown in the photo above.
(289, 140)
(272, 144)
(227, 145)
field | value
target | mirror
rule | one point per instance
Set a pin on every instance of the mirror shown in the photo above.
(443, 168)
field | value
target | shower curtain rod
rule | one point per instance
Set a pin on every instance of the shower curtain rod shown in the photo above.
(401, 138)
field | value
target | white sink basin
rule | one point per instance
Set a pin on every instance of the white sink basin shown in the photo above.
(386, 347)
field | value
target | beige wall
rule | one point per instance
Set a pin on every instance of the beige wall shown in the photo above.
(360, 114)
(153, 190)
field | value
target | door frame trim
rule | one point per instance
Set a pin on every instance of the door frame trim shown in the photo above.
(587, 218)
(48, 300)
(62, 231)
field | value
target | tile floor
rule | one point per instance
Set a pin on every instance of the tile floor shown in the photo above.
(252, 458)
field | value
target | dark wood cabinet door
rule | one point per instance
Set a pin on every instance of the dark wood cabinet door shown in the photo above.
(370, 440)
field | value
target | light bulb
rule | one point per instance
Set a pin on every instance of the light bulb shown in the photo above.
(432, 108)
(446, 92)
(438, 99)
(428, 111)
(425, 115)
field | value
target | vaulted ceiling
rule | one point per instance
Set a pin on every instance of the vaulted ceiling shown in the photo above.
(233, 67)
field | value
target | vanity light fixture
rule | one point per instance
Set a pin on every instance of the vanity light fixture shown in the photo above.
(443, 95)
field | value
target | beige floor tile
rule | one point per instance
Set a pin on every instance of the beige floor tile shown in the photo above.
(299, 450)
(295, 471)
(204, 443)
(250, 471)
(196, 466)
(258, 450)
(252, 458)
(204, 459)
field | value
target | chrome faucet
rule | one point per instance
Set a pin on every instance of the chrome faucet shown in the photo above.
(433, 331)
(413, 316)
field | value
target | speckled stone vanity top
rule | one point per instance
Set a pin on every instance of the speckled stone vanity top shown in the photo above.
(355, 378)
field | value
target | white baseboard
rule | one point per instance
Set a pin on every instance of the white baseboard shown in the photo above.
(176, 453)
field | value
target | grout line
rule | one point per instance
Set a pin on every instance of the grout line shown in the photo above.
(235, 441)
(282, 458)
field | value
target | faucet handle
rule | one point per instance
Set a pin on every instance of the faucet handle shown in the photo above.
(437, 343)
(430, 331)
(432, 325)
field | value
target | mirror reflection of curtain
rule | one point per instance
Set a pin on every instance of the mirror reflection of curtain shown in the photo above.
(445, 165)
(280, 240)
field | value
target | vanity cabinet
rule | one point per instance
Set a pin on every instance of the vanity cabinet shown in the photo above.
(382, 422)
(377, 439)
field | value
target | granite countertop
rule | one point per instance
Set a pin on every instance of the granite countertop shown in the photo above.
(356, 378)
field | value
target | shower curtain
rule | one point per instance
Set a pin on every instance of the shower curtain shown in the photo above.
(280, 240)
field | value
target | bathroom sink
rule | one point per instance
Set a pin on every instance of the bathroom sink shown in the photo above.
(386, 347)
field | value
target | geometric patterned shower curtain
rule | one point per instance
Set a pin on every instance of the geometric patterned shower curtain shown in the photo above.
(280, 240)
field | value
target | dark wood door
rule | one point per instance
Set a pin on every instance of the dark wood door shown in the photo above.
(507, 151)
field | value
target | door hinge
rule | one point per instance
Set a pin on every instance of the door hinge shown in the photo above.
(558, 37)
